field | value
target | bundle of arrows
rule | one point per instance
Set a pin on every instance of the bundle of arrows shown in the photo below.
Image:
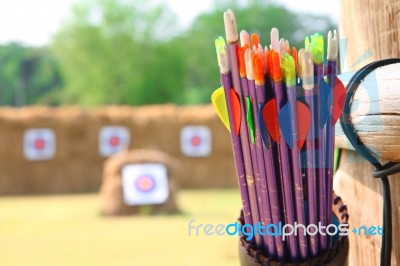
(280, 106)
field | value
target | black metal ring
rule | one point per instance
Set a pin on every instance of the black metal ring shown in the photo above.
(390, 168)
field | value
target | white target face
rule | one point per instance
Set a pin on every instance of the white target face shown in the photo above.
(196, 141)
(39, 144)
(145, 184)
(113, 139)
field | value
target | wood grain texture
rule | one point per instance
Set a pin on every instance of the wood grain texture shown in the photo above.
(363, 196)
(370, 27)
(375, 113)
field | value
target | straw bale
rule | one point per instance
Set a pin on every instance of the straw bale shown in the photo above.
(111, 194)
(216, 170)
(77, 164)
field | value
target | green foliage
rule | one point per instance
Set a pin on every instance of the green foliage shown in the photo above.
(27, 75)
(113, 52)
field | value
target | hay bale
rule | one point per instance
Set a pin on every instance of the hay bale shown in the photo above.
(218, 169)
(70, 171)
(111, 193)
(77, 165)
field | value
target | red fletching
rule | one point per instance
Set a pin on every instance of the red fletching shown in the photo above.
(303, 122)
(236, 113)
(270, 116)
(339, 98)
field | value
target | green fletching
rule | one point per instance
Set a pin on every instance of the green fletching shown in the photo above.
(306, 42)
(221, 41)
(220, 44)
(288, 67)
(250, 120)
(317, 48)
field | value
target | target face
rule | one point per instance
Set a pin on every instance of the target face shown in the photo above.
(145, 184)
(113, 139)
(39, 144)
(196, 141)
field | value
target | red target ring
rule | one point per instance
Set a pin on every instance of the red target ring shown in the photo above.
(114, 141)
(39, 144)
(195, 141)
(145, 183)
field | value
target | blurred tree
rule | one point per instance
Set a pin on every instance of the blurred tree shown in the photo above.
(119, 52)
(27, 75)
(130, 52)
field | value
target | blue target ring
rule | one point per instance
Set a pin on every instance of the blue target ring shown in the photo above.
(145, 183)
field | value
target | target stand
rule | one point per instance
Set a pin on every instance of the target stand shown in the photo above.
(137, 182)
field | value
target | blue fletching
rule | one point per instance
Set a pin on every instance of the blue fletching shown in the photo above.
(285, 123)
(263, 128)
(325, 100)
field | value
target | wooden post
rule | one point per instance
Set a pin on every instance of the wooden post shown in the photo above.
(371, 27)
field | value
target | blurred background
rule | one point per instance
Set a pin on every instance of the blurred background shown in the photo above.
(88, 54)
(98, 52)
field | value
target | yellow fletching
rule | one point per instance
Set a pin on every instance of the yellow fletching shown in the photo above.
(219, 103)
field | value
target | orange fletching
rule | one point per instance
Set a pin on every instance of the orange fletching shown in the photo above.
(255, 40)
(258, 68)
(242, 62)
(276, 71)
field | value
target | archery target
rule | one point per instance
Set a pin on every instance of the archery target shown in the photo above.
(196, 141)
(113, 139)
(145, 184)
(39, 144)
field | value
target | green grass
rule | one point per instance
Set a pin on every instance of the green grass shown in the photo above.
(69, 230)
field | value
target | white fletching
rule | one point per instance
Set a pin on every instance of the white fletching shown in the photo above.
(332, 46)
(275, 39)
(230, 27)
(249, 64)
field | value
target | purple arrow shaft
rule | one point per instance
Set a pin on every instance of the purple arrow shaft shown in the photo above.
(323, 240)
(297, 175)
(270, 200)
(271, 173)
(310, 171)
(237, 151)
(330, 143)
(286, 182)
(244, 136)
(267, 240)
